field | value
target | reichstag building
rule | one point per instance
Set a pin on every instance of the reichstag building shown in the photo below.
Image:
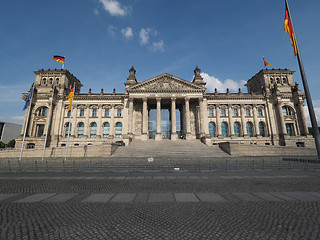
(167, 107)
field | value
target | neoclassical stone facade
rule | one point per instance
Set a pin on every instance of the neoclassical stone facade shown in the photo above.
(167, 107)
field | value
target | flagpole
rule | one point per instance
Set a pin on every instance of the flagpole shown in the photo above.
(48, 121)
(27, 122)
(65, 158)
(307, 93)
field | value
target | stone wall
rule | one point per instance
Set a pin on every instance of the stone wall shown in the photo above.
(103, 150)
(236, 149)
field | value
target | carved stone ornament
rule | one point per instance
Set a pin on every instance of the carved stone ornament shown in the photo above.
(166, 83)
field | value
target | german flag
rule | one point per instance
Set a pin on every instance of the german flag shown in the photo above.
(59, 59)
(289, 29)
(70, 98)
(266, 63)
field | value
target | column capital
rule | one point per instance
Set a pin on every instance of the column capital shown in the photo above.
(158, 99)
(187, 99)
(145, 99)
(173, 99)
(200, 99)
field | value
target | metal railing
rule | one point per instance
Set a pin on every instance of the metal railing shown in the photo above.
(124, 164)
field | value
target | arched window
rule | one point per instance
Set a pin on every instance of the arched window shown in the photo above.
(260, 112)
(50, 81)
(224, 129)
(31, 145)
(262, 129)
(118, 130)
(248, 112)
(106, 130)
(43, 112)
(94, 112)
(290, 129)
(212, 129)
(93, 130)
(107, 113)
(44, 81)
(223, 112)
(249, 126)
(210, 112)
(80, 130)
(236, 127)
(119, 112)
(287, 111)
(67, 127)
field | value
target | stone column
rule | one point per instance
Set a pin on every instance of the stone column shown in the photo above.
(231, 127)
(201, 113)
(218, 125)
(282, 127)
(112, 123)
(144, 119)
(73, 120)
(174, 135)
(86, 124)
(304, 125)
(99, 123)
(255, 121)
(243, 121)
(130, 119)
(158, 134)
(187, 116)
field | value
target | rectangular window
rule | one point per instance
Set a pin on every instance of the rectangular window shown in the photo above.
(94, 112)
(248, 114)
(106, 113)
(81, 112)
(223, 112)
(260, 113)
(210, 112)
(119, 113)
(40, 130)
(236, 112)
(69, 113)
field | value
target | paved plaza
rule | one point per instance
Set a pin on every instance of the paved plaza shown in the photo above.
(160, 205)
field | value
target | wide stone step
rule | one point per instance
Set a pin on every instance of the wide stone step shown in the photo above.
(168, 148)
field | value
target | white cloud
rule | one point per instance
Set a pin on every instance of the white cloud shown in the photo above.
(316, 107)
(96, 11)
(112, 31)
(114, 7)
(127, 32)
(158, 46)
(144, 36)
(213, 82)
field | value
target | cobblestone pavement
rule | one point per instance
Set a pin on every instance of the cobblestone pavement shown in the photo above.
(189, 205)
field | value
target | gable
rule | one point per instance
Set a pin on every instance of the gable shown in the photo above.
(166, 83)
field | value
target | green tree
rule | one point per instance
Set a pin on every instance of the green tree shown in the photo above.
(11, 144)
(2, 145)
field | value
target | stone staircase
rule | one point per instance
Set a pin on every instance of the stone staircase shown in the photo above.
(168, 148)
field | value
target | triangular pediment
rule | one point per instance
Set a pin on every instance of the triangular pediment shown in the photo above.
(166, 83)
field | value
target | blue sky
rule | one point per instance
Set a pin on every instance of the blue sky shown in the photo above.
(102, 39)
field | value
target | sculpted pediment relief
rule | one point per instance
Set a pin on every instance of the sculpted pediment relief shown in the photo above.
(166, 83)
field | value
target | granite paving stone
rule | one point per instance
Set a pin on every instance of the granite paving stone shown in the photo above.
(60, 197)
(98, 197)
(35, 198)
(123, 197)
(185, 197)
(246, 197)
(210, 197)
(301, 196)
(160, 197)
(266, 196)
(6, 196)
